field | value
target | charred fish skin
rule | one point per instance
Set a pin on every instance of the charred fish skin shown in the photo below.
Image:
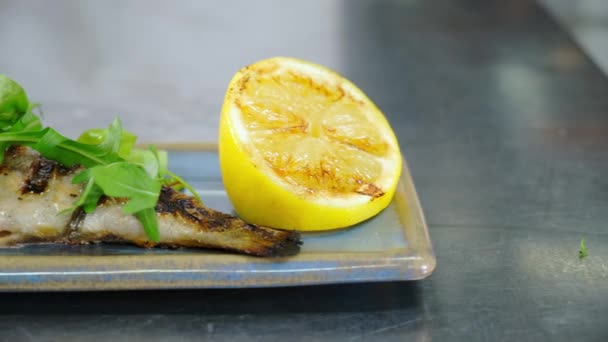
(187, 210)
(36, 191)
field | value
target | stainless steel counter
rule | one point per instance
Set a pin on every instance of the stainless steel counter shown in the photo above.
(502, 117)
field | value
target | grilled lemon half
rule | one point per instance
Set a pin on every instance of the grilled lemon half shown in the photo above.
(301, 147)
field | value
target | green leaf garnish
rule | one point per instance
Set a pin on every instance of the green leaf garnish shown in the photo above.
(583, 251)
(115, 168)
(154, 161)
(128, 180)
(68, 152)
(114, 136)
(147, 217)
(182, 184)
(90, 195)
(13, 102)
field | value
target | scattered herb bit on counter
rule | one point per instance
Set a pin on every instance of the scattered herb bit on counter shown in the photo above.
(583, 251)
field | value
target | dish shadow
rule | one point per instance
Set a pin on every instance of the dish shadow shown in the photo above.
(361, 297)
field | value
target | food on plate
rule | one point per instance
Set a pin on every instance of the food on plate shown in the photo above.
(36, 191)
(302, 147)
(101, 188)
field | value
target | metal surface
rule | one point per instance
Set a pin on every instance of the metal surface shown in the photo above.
(503, 119)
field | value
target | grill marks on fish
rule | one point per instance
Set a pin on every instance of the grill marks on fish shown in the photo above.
(36, 190)
(37, 182)
(40, 171)
(71, 233)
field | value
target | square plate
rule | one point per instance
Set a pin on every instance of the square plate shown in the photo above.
(394, 245)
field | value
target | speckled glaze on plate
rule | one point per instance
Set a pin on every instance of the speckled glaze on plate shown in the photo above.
(394, 245)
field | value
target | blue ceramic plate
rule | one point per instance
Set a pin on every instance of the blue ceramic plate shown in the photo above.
(394, 245)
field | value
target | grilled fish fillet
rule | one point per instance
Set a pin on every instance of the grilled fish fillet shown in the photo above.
(34, 191)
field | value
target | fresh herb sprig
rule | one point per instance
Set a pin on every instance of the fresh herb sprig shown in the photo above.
(114, 167)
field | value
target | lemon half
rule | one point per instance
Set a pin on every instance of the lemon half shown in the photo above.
(303, 148)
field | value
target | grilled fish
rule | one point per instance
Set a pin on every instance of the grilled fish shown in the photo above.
(34, 191)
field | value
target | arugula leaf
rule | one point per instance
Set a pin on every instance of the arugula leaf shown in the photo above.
(183, 183)
(148, 219)
(22, 138)
(55, 146)
(163, 160)
(151, 165)
(124, 179)
(114, 134)
(154, 161)
(25, 137)
(27, 123)
(15, 111)
(147, 160)
(583, 251)
(112, 141)
(13, 102)
(89, 198)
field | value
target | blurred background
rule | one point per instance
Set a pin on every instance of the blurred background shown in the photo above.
(587, 21)
(161, 65)
(167, 64)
